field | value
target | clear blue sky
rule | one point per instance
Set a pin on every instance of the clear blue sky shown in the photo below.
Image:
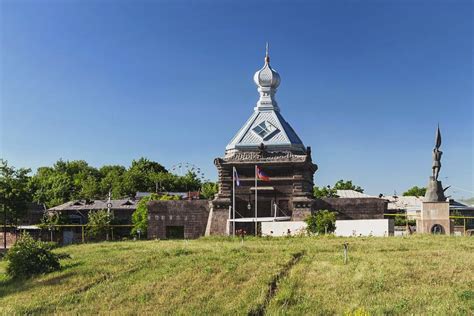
(364, 83)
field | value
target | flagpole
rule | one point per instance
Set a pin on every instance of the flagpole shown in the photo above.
(233, 201)
(256, 201)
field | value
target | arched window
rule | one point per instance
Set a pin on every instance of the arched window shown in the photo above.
(437, 229)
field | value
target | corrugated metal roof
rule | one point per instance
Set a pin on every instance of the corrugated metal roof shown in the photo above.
(352, 194)
(122, 204)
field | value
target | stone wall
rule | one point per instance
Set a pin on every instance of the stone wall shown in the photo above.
(192, 215)
(353, 208)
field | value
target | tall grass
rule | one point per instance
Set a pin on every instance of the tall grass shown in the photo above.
(427, 275)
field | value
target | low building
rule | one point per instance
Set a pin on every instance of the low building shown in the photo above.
(76, 213)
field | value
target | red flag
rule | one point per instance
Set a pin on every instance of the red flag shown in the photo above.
(261, 175)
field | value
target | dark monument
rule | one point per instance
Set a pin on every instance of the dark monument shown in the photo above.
(434, 215)
(434, 190)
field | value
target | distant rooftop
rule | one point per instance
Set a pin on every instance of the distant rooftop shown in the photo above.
(352, 194)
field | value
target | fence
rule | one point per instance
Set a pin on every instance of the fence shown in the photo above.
(464, 218)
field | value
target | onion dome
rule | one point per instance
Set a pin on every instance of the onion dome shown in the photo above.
(267, 81)
(267, 76)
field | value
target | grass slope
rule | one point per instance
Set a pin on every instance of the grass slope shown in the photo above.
(420, 275)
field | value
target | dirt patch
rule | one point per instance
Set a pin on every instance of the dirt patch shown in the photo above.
(273, 285)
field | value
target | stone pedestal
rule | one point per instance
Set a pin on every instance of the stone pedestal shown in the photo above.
(434, 191)
(434, 218)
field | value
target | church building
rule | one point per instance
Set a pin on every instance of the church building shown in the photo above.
(265, 175)
(267, 171)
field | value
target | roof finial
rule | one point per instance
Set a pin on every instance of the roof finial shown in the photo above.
(267, 57)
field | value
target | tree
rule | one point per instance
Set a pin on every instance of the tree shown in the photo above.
(331, 192)
(322, 222)
(29, 257)
(112, 179)
(65, 181)
(140, 216)
(415, 191)
(209, 189)
(98, 223)
(347, 185)
(141, 176)
(14, 192)
(323, 192)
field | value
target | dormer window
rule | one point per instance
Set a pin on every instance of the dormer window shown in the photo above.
(265, 129)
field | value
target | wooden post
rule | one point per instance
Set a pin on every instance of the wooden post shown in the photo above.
(83, 239)
(345, 252)
(464, 226)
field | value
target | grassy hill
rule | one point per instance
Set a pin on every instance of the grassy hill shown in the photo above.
(420, 274)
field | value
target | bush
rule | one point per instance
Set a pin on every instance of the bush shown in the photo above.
(98, 223)
(322, 222)
(29, 257)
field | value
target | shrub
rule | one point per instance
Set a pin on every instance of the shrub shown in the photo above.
(322, 222)
(29, 257)
(98, 223)
(140, 216)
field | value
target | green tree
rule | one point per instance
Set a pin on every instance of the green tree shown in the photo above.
(415, 191)
(322, 222)
(29, 257)
(324, 192)
(209, 189)
(347, 185)
(141, 176)
(188, 182)
(140, 216)
(14, 192)
(112, 179)
(65, 181)
(330, 192)
(98, 223)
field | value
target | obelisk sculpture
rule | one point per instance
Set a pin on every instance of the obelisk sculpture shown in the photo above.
(434, 190)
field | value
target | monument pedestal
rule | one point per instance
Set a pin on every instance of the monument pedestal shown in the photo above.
(434, 191)
(434, 218)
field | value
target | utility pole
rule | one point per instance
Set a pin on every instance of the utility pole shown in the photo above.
(109, 206)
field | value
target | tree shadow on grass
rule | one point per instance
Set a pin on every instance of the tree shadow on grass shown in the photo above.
(15, 285)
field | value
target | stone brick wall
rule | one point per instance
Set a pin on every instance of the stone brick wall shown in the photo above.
(353, 208)
(192, 215)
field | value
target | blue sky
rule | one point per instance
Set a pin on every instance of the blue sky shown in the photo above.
(364, 83)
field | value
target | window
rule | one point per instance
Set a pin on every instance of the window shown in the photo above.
(175, 232)
(264, 129)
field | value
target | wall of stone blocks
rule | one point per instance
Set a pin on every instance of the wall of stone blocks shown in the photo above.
(192, 215)
(353, 208)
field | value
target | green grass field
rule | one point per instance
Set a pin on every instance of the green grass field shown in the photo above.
(415, 275)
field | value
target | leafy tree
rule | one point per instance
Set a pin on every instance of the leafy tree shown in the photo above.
(73, 180)
(330, 192)
(112, 179)
(98, 223)
(51, 220)
(322, 192)
(65, 181)
(322, 222)
(347, 185)
(209, 189)
(140, 216)
(29, 257)
(14, 192)
(415, 191)
(141, 175)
